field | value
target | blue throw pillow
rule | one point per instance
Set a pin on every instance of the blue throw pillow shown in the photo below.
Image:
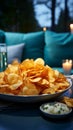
(34, 45)
(58, 46)
(15, 52)
(2, 36)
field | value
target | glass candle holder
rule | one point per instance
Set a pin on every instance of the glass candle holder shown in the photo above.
(67, 66)
(3, 57)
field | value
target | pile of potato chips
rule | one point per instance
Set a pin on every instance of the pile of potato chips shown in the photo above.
(31, 77)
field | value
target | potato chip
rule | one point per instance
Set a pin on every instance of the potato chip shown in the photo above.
(29, 89)
(39, 61)
(12, 69)
(15, 62)
(13, 78)
(34, 80)
(68, 101)
(48, 91)
(2, 78)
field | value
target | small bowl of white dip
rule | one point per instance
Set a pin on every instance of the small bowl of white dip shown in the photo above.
(55, 109)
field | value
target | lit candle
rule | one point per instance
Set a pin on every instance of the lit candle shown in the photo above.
(67, 66)
(71, 28)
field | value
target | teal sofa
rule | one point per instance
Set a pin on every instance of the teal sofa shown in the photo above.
(51, 46)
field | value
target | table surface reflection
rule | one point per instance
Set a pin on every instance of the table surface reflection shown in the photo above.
(26, 116)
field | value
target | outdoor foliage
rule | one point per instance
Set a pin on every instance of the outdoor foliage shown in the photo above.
(33, 15)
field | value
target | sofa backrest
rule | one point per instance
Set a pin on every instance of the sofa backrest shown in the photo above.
(33, 43)
(52, 47)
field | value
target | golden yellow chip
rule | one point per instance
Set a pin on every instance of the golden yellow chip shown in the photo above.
(39, 61)
(68, 101)
(34, 80)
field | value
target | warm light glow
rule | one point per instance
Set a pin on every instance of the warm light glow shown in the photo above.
(44, 29)
(71, 28)
(67, 65)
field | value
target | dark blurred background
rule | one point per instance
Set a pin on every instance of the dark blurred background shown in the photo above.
(34, 15)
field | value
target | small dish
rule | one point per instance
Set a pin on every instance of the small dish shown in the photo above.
(55, 109)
